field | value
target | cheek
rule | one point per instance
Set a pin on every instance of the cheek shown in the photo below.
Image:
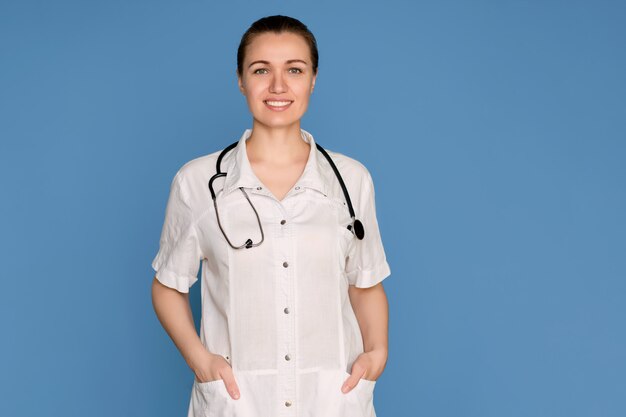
(255, 95)
(255, 86)
(301, 88)
(304, 96)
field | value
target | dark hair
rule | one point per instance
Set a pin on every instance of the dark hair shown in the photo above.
(277, 24)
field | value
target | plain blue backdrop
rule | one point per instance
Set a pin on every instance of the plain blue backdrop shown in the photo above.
(495, 132)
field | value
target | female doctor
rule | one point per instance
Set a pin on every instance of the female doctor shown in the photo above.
(294, 316)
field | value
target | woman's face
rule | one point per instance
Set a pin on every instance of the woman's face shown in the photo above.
(277, 78)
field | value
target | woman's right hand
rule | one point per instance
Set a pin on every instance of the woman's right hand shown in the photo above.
(212, 367)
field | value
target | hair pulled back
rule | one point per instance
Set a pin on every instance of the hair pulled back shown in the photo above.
(277, 24)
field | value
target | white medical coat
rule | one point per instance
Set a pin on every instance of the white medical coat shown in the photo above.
(279, 312)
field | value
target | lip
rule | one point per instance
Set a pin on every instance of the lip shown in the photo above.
(277, 108)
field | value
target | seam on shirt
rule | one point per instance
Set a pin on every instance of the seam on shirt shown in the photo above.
(375, 275)
(163, 273)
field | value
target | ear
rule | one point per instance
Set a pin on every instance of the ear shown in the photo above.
(240, 83)
(313, 82)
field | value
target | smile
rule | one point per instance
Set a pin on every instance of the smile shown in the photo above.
(277, 105)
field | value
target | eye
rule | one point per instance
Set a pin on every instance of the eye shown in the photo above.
(297, 70)
(256, 71)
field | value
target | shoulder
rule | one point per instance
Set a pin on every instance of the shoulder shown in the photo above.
(351, 169)
(197, 166)
(204, 166)
(193, 176)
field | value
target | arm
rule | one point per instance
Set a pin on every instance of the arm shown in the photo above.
(174, 312)
(372, 312)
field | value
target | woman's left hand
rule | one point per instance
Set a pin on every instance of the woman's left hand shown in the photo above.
(368, 365)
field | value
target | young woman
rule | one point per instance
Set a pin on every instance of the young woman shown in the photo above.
(294, 315)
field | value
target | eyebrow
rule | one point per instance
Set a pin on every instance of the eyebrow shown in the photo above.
(289, 61)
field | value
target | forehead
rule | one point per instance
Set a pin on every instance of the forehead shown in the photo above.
(277, 47)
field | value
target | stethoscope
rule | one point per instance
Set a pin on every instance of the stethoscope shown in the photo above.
(356, 227)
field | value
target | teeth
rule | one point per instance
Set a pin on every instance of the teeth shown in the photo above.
(278, 103)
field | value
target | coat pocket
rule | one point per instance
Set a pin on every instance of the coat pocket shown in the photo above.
(346, 240)
(210, 399)
(364, 395)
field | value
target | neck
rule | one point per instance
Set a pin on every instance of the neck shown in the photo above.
(282, 144)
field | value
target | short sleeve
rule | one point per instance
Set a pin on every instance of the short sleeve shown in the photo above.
(177, 262)
(367, 264)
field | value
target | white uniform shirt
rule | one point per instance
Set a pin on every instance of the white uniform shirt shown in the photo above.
(279, 312)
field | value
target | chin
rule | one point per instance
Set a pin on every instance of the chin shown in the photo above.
(277, 123)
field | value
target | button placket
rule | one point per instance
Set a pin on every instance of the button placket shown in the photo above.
(286, 309)
(286, 321)
(287, 346)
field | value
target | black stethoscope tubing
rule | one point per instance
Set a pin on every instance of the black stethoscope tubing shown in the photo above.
(356, 227)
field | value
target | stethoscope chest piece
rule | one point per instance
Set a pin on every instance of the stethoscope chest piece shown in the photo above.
(357, 229)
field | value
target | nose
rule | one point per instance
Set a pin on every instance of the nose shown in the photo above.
(277, 84)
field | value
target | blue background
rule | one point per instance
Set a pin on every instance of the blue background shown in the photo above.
(494, 131)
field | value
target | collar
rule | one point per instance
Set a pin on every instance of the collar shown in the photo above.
(239, 172)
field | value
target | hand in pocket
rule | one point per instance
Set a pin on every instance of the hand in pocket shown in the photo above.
(213, 368)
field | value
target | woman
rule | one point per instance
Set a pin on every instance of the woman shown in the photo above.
(294, 315)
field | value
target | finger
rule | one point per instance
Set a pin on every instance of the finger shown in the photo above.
(231, 384)
(350, 383)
